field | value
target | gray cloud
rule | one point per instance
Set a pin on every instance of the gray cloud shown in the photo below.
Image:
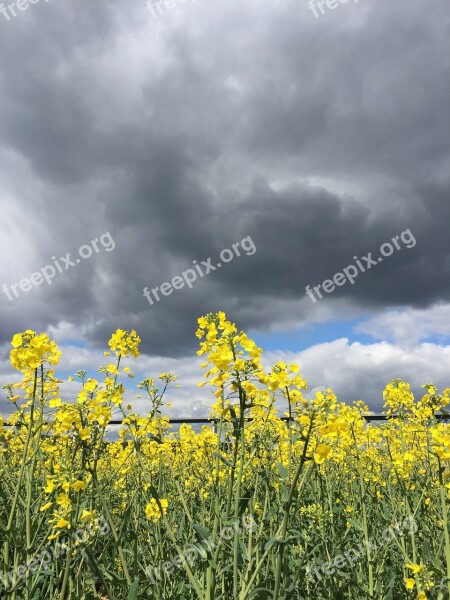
(320, 138)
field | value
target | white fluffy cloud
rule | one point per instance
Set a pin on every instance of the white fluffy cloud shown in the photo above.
(356, 371)
(409, 326)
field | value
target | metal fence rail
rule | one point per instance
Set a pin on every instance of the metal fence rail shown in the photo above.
(207, 421)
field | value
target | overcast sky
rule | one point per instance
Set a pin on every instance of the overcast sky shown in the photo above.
(170, 135)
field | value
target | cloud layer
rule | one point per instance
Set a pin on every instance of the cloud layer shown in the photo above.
(319, 138)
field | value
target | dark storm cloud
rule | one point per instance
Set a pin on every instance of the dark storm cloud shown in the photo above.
(321, 139)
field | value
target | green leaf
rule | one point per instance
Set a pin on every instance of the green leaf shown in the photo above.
(283, 471)
(203, 533)
(270, 543)
(133, 593)
(259, 594)
(223, 459)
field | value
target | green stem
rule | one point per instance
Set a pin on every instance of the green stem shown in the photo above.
(287, 509)
(442, 491)
(20, 478)
(236, 513)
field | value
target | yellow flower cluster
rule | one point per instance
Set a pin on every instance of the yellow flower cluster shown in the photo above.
(155, 510)
(31, 350)
(125, 343)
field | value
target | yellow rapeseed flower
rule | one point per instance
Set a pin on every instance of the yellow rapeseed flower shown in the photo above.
(63, 524)
(30, 350)
(79, 485)
(87, 516)
(152, 510)
(414, 568)
(125, 343)
(322, 453)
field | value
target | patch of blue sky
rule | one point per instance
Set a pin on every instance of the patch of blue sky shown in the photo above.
(302, 338)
